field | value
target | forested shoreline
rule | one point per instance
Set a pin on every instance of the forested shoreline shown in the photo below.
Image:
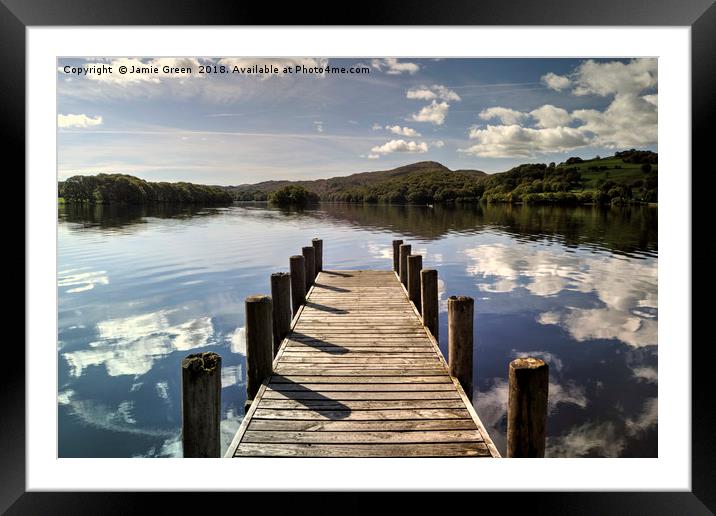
(123, 188)
(628, 177)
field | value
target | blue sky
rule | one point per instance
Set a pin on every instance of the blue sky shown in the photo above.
(234, 128)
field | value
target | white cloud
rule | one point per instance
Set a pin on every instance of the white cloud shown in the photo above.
(400, 146)
(403, 131)
(556, 82)
(607, 439)
(81, 281)
(434, 113)
(231, 375)
(548, 116)
(652, 99)
(377, 127)
(502, 141)
(648, 374)
(623, 287)
(615, 77)
(373, 156)
(505, 115)
(438, 143)
(238, 340)
(629, 121)
(81, 120)
(392, 66)
(129, 346)
(318, 125)
(436, 91)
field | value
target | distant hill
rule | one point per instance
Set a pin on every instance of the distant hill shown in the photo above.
(627, 177)
(410, 183)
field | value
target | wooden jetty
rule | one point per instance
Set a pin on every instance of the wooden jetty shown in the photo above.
(358, 372)
(360, 375)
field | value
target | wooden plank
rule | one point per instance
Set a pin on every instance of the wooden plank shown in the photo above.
(352, 395)
(354, 359)
(360, 415)
(476, 449)
(357, 387)
(292, 370)
(361, 426)
(361, 380)
(373, 350)
(387, 437)
(358, 404)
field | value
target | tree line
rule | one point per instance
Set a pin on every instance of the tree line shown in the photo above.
(122, 188)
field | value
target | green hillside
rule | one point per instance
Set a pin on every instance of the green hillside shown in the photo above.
(415, 183)
(618, 179)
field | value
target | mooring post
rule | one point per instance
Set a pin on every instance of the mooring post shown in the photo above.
(460, 314)
(309, 254)
(259, 343)
(201, 404)
(415, 264)
(281, 297)
(527, 407)
(429, 300)
(318, 249)
(403, 273)
(396, 255)
(298, 281)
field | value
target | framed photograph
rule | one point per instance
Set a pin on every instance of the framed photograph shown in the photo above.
(383, 249)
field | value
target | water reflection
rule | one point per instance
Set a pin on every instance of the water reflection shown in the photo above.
(129, 346)
(141, 287)
(619, 297)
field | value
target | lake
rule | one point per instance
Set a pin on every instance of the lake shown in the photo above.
(142, 287)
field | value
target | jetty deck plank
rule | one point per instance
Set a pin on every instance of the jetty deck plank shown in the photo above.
(360, 376)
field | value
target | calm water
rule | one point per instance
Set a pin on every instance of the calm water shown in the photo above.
(141, 288)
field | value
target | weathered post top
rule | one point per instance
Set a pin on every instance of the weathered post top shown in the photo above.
(259, 342)
(527, 407)
(309, 254)
(429, 300)
(318, 248)
(201, 404)
(298, 281)
(281, 296)
(396, 255)
(460, 339)
(403, 273)
(415, 264)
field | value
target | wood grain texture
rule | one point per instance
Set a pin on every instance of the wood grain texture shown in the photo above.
(358, 375)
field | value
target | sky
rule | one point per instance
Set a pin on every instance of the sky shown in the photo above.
(248, 125)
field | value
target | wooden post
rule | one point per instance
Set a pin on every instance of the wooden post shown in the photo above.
(404, 253)
(201, 404)
(460, 314)
(396, 255)
(298, 281)
(318, 248)
(281, 297)
(415, 264)
(429, 300)
(309, 254)
(527, 407)
(259, 343)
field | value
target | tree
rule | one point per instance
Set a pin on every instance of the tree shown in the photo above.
(293, 195)
(646, 167)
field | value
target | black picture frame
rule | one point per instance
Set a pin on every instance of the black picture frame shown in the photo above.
(700, 15)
